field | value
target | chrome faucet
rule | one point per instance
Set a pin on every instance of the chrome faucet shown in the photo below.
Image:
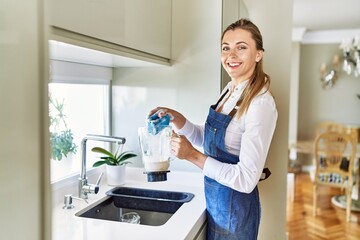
(84, 187)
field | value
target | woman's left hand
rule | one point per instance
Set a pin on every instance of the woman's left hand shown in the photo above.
(180, 146)
(183, 149)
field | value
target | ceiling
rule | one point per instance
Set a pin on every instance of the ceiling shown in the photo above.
(340, 17)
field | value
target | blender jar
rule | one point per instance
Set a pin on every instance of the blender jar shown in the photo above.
(155, 149)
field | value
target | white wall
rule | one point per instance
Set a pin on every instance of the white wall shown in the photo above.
(294, 92)
(339, 103)
(24, 179)
(274, 18)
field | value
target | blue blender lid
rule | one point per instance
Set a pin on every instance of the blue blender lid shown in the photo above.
(155, 124)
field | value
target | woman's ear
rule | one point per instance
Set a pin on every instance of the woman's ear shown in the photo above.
(259, 55)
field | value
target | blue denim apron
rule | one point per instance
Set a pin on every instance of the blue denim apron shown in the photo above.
(231, 214)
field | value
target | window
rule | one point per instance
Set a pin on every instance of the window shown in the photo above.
(78, 105)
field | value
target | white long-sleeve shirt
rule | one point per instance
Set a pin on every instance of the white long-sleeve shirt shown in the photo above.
(249, 137)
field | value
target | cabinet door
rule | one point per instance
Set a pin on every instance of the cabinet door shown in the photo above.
(143, 25)
(201, 235)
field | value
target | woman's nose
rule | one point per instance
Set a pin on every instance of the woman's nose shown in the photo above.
(232, 53)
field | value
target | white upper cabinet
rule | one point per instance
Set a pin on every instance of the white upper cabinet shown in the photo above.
(142, 25)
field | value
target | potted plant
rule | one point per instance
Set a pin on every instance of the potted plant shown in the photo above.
(61, 137)
(115, 164)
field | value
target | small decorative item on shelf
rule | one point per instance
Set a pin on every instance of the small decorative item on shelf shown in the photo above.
(348, 63)
(351, 56)
(115, 164)
(328, 78)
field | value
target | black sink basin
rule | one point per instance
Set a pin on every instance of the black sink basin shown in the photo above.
(155, 207)
(148, 199)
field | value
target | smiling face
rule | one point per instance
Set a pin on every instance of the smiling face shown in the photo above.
(239, 54)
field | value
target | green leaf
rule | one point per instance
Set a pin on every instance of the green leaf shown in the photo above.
(62, 144)
(111, 159)
(61, 141)
(103, 151)
(99, 163)
(126, 155)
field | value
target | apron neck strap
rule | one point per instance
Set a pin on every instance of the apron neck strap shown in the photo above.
(221, 98)
(234, 110)
(237, 106)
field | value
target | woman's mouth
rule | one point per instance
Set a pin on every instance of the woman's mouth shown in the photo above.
(233, 65)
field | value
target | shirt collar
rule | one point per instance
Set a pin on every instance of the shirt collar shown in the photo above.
(238, 87)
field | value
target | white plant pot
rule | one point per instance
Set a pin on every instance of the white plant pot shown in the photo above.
(115, 175)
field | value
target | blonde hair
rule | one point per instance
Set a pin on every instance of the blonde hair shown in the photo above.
(259, 79)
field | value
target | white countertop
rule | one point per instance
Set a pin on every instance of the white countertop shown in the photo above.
(184, 224)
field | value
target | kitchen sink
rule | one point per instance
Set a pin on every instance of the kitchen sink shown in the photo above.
(155, 207)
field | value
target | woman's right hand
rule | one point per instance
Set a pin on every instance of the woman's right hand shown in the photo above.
(176, 118)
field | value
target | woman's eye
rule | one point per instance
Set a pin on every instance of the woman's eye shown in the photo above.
(225, 48)
(242, 47)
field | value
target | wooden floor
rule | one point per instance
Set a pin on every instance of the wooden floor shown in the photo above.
(330, 222)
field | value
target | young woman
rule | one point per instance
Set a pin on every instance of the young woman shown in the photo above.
(235, 137)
